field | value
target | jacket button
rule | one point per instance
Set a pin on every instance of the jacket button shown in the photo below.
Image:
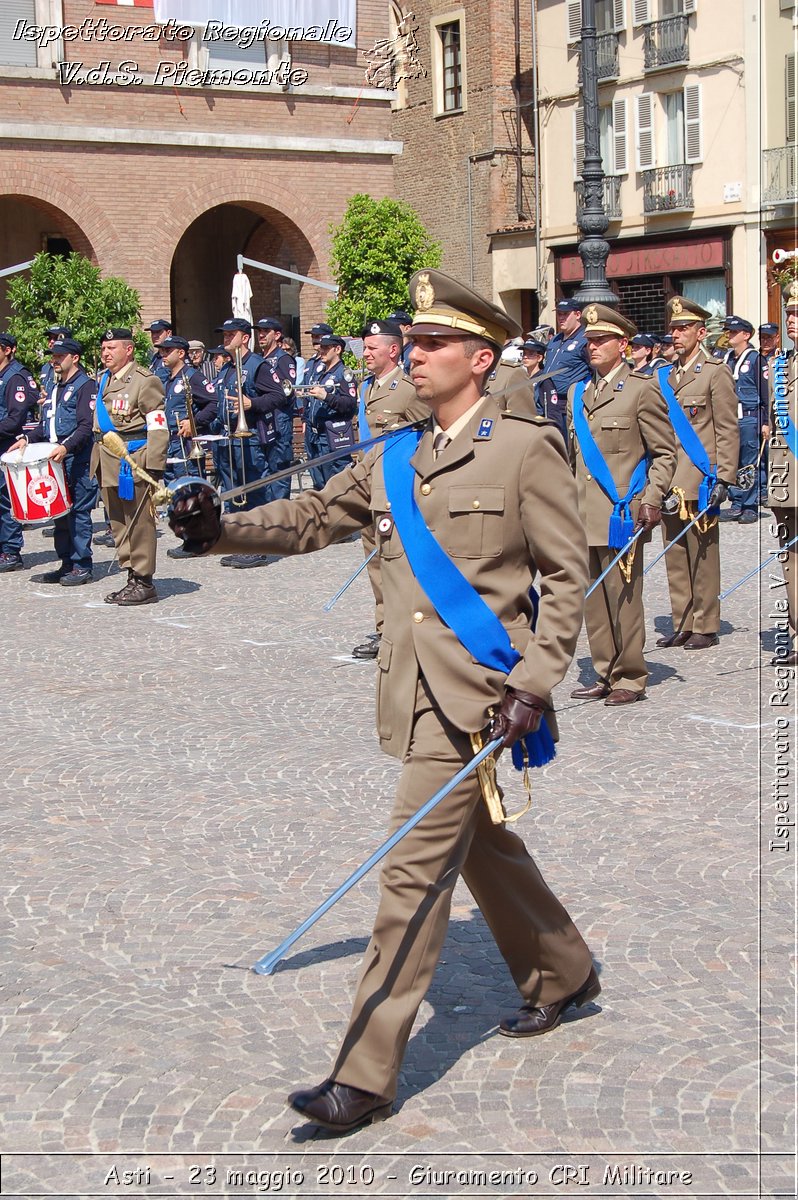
(425, 489)
(387, 504)
(418, 617)
(475, 503)
(588, 477)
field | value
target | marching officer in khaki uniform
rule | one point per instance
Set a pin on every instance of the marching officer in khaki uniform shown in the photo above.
(703, 408)
(387, 399)
(132, 400)
(624, 454)
(495, 494)
(782, 467)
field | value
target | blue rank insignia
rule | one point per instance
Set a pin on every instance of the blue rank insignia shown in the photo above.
(698, 368)
(619, 386)
(485, 427)
(393, 385)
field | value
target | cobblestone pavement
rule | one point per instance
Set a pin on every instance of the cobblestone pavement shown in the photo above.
(186, 781)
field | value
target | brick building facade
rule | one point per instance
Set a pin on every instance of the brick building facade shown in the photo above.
(165, 185)
(465, 126)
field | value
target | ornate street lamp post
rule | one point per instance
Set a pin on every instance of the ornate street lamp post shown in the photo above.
(593, 223)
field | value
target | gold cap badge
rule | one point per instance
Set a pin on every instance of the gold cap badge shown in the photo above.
(425, 293)
(591, 315)
(676, 306)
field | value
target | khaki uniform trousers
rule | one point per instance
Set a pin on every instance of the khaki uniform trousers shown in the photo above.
(693, 576)
(616, 628)
(787, 528)
(134, 535)
(545, 953)
(373, 572)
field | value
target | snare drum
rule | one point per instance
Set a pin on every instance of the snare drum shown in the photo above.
(36, 485)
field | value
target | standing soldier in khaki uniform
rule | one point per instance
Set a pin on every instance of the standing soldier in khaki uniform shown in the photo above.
(617, 421)
(782, 466)
(495, 493)
(386, 399)
(701, 393)
(133, 400)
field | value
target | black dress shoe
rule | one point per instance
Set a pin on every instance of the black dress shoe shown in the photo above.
(701, 641)
(368, 649)
(336, 1106)
(531, 1022)
(243, 561)
(596, 692)
(675, 639)
(180, 552)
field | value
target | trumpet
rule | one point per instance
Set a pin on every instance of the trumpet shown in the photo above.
(241, 430)
(196, 454)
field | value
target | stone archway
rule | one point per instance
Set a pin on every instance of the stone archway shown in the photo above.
(204, 263)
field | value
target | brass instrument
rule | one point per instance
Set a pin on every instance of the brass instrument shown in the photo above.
(241, 430)
(197, 454)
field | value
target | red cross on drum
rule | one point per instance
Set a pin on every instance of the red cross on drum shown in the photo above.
(36, 485)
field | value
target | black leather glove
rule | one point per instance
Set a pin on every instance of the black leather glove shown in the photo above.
(194, 514)
(520, 713)
(648, 518)
(719, 493)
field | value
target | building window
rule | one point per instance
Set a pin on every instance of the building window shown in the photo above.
(449, 63)
(16, 52)
(673, 106)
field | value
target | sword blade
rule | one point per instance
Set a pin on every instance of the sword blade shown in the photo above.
(617, 558)
(678, 538)
(765, 562)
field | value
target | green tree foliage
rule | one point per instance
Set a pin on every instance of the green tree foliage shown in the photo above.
(70, 291)
(375, 249)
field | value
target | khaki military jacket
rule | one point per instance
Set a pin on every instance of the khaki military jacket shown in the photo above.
(392, 401)
(706, 393)
(782, 467)
(502, 502)
(135, 402)
(513, 389)
(629, 419)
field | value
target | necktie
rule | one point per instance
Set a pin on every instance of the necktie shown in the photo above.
(439, 445)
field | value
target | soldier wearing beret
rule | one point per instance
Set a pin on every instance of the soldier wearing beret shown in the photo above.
(703, 409)
(624, 454)
(387, 399)
(782, 498)
(18, 397)
(497, 498)
(132, 399)
(751, 386)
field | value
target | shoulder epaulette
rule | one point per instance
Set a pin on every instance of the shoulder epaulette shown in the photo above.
(530, 418)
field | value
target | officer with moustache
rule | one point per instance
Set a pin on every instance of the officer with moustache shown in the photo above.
(329, 408)
(47, 377)
(624, 455)
(66, 423)
(703, 411)
(782, 497)
(496, 496)
(18, 398)
(130, 401)
(387, 399)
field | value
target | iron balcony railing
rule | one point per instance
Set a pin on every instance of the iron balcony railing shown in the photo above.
(665, 43)
(780, 175)
(668, 189)
(612, 198)
(606, 58)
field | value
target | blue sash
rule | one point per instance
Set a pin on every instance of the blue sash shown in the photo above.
(125, 485)
(621, 524)
(784, 421)
(363, 424)
(454, 599)
(688, 439)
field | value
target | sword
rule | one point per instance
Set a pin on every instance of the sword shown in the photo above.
(330, 603)
(678, 538)
(771, 558)
(617, 558)
(267, 964)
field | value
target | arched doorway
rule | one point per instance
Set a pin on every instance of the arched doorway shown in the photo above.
(28, 226)
(204, 263)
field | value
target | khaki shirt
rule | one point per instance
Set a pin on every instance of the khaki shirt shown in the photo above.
(628, 419)
(706, 393)
(392, 401)
(501, 502)
(129, 397)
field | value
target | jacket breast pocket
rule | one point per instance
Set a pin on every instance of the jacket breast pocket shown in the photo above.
(386, 537)
(695, 408)
(476, 521)
(616, 433)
